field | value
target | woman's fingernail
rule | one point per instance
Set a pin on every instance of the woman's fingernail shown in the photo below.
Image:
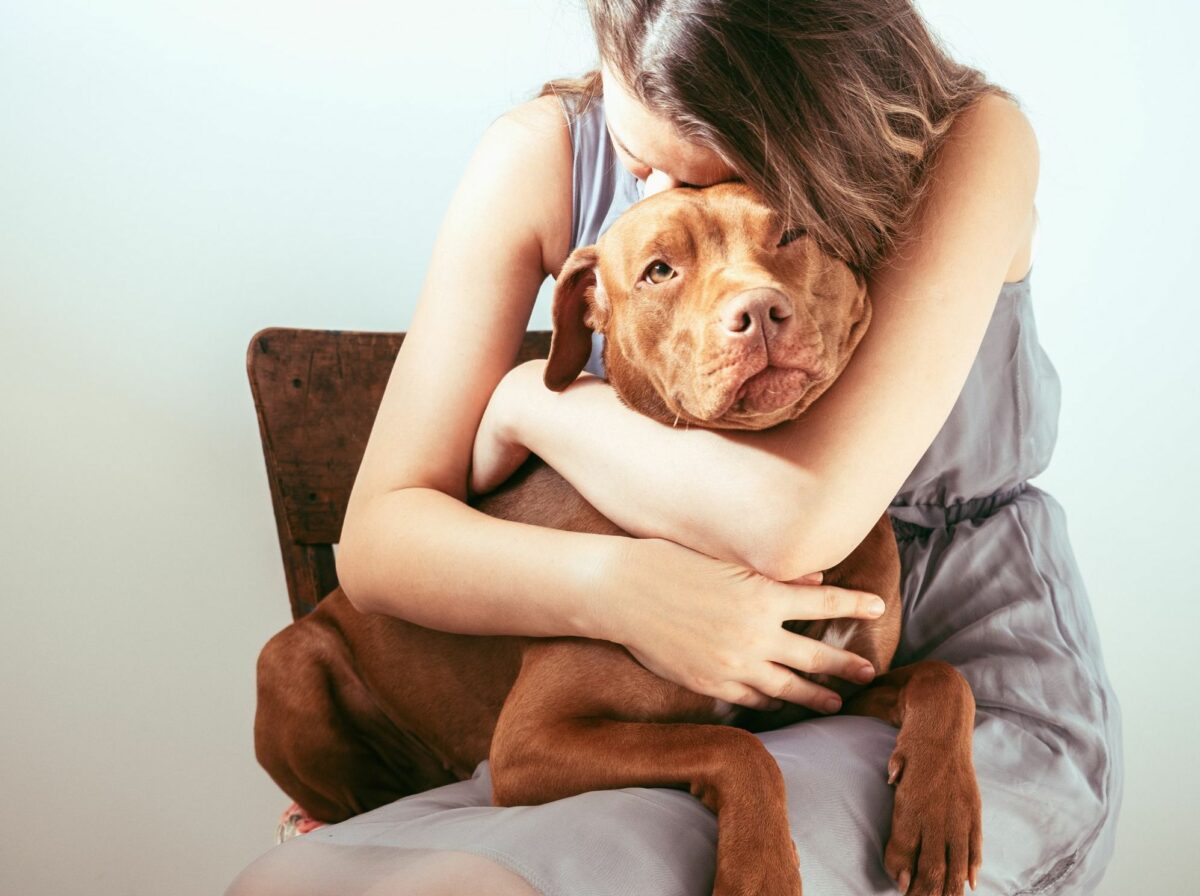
(876, 606)
(832, 704)
(864, 673)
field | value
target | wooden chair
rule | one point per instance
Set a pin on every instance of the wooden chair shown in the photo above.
(316, 393)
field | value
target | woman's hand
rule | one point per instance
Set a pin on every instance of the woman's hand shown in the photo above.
(716, 628)
(498, 451)
(713, 626)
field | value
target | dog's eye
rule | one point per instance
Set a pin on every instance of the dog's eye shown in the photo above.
(659, 272)
(791, 235)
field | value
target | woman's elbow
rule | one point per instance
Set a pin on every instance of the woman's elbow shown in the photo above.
(803, 532)
(787, 552)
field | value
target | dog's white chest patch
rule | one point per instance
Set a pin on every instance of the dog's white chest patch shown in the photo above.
(838, 633)
(724, 711)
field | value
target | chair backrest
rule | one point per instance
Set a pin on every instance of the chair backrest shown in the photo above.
(316, 393)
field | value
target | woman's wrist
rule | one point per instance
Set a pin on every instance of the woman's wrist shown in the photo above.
(501, 441)
(508, 402)
(529, 405)
(603, 577)
(516, 391)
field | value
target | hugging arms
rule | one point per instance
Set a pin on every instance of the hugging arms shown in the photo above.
(724, 518)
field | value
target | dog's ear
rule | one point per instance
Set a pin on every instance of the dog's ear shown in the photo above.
(579, 307)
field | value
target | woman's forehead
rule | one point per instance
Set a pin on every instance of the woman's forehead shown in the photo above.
(651, 141)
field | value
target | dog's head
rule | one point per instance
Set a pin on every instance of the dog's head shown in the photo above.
(711, 313)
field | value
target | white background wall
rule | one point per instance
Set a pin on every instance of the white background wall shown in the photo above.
(175, 176)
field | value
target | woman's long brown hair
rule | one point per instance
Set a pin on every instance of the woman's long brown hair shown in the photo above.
(831, 109)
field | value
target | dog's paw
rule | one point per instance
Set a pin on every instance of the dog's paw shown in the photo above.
(935, 847)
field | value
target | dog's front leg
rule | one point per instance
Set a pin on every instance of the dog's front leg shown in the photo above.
(555, 739)
(936, 838)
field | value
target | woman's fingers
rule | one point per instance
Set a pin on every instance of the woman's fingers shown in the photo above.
(808, 655)
(792, 689)
(753, 699)
(832, 602)
(785, 684)
(782, 685)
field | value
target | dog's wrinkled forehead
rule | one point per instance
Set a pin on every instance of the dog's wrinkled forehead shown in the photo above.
(676, 223)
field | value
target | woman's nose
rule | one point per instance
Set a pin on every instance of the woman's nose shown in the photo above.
(657, 181)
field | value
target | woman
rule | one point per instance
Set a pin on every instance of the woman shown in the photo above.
(852, 122)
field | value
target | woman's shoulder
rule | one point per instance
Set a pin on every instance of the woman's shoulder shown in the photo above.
(544, 115)
(530, 152)
(996, 114)
(996, 124)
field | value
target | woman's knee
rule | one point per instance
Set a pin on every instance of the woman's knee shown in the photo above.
(265, 876)
(325, 870)
(447, 873)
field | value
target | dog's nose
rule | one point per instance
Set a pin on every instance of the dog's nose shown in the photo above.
(755, 311)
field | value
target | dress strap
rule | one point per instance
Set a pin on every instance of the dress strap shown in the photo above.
(596, 173)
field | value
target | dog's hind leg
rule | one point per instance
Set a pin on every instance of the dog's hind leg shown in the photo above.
(321, 736)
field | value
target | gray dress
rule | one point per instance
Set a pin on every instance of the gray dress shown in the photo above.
(990, 585)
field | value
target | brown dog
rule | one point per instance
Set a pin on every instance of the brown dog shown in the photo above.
(714, 316)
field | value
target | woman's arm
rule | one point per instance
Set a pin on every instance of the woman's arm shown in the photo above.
(802, 496)
(411, 548)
